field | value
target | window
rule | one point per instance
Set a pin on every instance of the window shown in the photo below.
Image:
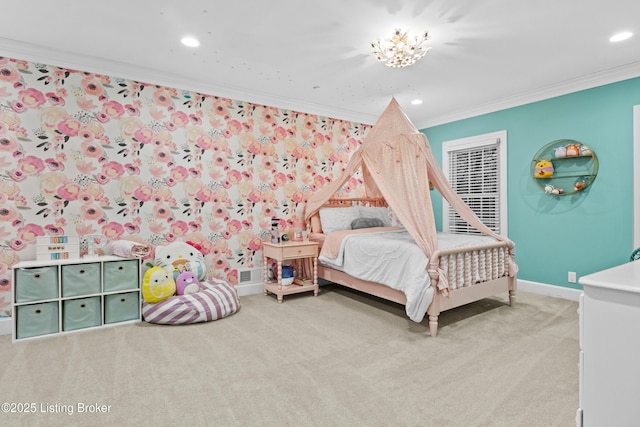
(476, 168)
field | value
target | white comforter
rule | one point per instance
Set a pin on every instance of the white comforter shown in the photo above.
(393, 259)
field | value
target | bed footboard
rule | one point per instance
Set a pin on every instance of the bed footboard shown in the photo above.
(473, 273)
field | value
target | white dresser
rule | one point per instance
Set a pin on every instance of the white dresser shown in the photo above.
(610, 347)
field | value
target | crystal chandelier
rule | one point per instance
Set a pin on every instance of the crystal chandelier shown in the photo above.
(400, 50)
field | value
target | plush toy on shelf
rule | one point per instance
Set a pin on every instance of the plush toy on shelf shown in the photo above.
(585, 150)
(573, 150)
(550, 189)
(560, 152)
(544, 169)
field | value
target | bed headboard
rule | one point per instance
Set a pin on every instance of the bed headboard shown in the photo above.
(342, 202)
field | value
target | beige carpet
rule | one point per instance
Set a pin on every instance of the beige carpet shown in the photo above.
(339, 359)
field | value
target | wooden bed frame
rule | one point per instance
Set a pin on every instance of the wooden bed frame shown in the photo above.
(488, 260)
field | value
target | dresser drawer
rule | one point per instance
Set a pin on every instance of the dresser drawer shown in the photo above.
(37, 319)
(289, 252)
(121, 275)
(36, 284)
(80, 279)
(81, 313)
(121, 307)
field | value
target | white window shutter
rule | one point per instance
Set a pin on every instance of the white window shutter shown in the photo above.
(475, 169)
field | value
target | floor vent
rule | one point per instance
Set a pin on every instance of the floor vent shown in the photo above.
(250, 276)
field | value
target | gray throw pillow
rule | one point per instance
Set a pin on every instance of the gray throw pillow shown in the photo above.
(366, 223)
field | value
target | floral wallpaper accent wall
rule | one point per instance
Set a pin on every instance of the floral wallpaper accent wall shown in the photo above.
(85, 154)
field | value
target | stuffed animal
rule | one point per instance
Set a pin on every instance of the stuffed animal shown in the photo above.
(157, 285)
(573, 150)
(187, 283)
(561, 152)
(544, 169)
(585, 150)
(180, 257)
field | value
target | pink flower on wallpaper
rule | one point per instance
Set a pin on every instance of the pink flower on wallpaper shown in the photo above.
(113, 170)
(53, 230)
(31, 98)
(131, 228)
(144, 193)
(157, 227)
(179, 173)
(255, 195)
(280, 179)
(54, 99)
(92, 149)
(8, 214)
(143, 135)
(220, 161)
(161, 211)
(86, 197)
(31, 165)
(234, 176)
(85, 229)
(234, 226)
(179, 228)
(205, 142)
(8, 73)
(85, 104)
(92, 86)
(220, 108)
(255, 148)
(219, 211)
(113, 230)
(180, 119)
(162, 97)
(8, 144)
(85, 167)
(28, 233)
(91, 212)
(162, 155)
(69, 191)
(132, 110)
(54, 165)
(113, 109)
(205, 194)
(219, 263)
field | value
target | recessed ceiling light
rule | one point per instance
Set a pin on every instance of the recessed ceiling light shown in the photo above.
(416, 102)
(620, 36)
(190, 41)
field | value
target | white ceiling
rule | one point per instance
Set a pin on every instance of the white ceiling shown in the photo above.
(314, 56)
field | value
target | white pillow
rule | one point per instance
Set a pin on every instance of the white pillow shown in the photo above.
(335, 219)
(372, 212)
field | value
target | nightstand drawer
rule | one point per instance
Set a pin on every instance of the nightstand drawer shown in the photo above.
(121, 275)
(36, 284)
(299, 251)
(81, 313)
(81, 279)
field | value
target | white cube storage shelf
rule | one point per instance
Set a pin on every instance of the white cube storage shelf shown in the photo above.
(56, 297)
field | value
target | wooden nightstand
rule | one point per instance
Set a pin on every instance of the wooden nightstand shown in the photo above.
(284, 252)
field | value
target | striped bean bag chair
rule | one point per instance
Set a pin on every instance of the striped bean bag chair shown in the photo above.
(216, 300)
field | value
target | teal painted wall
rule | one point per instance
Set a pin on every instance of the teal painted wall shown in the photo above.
(585, 232)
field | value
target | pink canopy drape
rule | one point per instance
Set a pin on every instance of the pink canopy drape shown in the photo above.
(398, 164)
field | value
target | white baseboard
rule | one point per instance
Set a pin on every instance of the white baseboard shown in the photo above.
(523, 285)
(549, 290)
(5, 325)
(250, 289)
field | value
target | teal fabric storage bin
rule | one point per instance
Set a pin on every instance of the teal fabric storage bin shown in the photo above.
(80, 279)
(121, 307)
(121, 275)
(36, 284)
(36, 319)
(81, 313)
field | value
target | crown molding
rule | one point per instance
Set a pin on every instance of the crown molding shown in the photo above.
(34, 53)
(613, 75)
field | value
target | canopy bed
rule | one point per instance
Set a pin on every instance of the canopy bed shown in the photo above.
(397, 168)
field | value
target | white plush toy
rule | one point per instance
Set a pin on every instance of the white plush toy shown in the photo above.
(180, 257)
